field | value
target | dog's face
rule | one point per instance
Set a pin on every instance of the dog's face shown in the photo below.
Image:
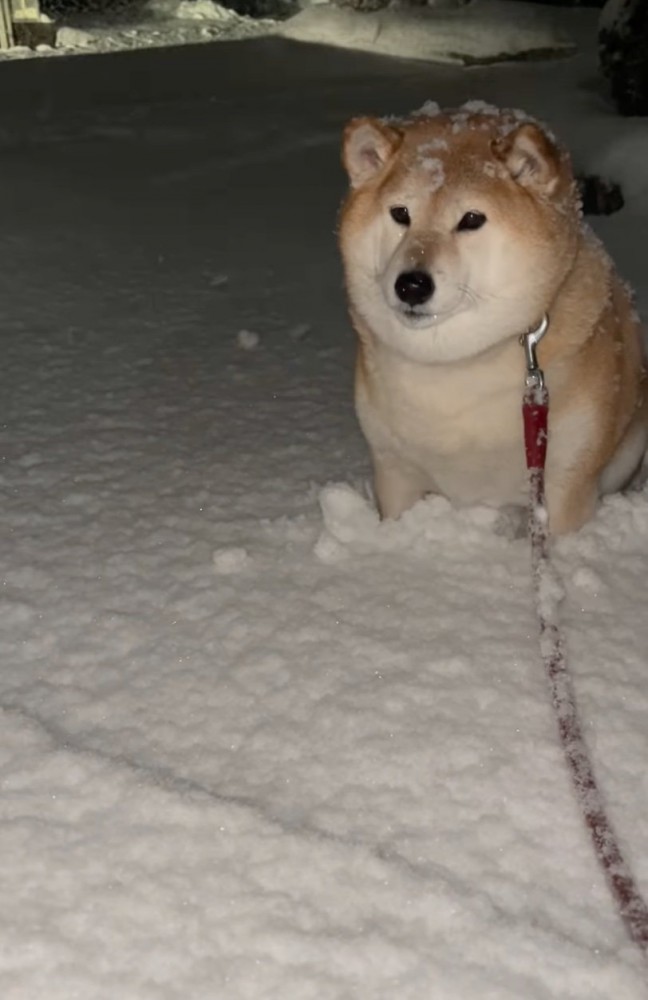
(457, 232)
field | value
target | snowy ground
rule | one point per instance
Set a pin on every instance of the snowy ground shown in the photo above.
(152, 24)
(256, 745)
(480, 32)
(444, 31)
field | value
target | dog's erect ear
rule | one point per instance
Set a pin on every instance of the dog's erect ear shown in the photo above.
(531, 158)
(367, 147)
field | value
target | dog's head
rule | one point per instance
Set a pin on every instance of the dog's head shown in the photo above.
(458, 230)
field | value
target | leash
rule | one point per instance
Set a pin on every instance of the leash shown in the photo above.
(535, 409)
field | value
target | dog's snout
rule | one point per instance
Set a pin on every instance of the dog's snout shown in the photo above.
(414, 287)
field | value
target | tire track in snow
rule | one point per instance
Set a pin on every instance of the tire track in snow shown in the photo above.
(439, 878)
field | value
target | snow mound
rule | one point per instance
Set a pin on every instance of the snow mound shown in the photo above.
(625, 160)
(352, 524)
(479, 33)
(210, 10)
(611, 15)
(190, 10)
(74, 38)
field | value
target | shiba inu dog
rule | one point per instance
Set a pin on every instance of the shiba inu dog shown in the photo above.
(461, 230)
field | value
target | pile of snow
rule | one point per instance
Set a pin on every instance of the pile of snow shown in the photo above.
(482, 32)
(190, 10)
(209, 10)
(74, 38)
(615, 13)
(625, 160)
(198, 10)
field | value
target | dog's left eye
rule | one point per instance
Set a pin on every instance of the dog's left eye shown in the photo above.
(400, 215)
(471, 220)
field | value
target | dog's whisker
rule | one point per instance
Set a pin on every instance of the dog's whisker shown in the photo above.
(470, 294)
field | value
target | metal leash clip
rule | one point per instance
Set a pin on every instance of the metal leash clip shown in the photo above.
(530, 341)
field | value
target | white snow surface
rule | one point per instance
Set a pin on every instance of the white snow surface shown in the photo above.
(609, 15)
(445, 32)
(482, 31)
(256, 744)
(156, 24)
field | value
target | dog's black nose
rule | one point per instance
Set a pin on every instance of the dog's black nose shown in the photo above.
(414, 287)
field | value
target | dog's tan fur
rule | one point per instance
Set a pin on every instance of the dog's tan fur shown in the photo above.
(438, 393)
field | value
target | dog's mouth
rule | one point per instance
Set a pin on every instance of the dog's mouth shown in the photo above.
(417, 318)
(420, 317)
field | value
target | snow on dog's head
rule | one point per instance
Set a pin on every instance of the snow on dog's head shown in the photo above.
(457, 229)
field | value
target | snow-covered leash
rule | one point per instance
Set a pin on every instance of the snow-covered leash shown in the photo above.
(630, 903)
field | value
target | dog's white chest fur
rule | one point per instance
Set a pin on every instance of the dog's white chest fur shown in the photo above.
(457, 433)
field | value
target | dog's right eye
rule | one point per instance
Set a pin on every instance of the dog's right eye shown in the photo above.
(400, 215)
(470, 221)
